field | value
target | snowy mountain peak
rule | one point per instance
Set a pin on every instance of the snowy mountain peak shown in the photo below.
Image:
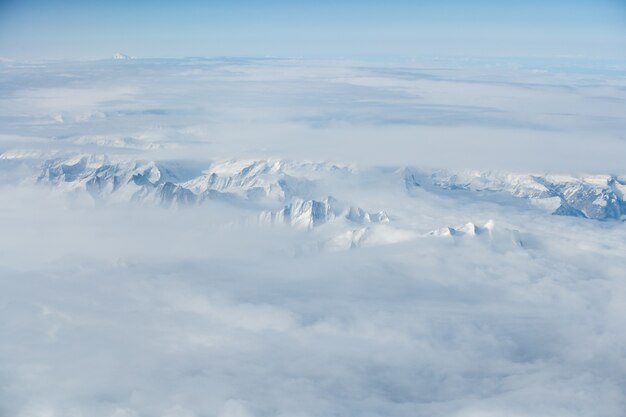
(488, 232)
(311, 213)
(469, 229)
(121, 56)
(599, 197)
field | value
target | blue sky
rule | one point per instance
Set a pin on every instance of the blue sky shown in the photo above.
(37, 29)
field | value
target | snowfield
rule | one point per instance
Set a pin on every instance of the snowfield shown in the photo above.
(264, 237)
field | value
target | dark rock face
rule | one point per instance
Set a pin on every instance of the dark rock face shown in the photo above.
(171, 193)
(590, 201)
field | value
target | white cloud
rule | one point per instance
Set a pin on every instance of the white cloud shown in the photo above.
(119, 309)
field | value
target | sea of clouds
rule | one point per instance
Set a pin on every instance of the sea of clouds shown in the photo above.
(120, 310)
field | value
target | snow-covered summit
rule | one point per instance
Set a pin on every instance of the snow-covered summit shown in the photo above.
(488, 232)
(276, 180)
(121, 56)
(598, 197)
(311, 213)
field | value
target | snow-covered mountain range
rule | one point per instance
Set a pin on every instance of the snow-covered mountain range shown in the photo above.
(599, 197)
(291, 187)
(300, 193)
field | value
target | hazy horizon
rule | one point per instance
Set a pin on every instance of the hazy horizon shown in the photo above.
(67, 29)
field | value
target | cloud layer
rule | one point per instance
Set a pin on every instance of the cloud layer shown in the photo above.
(114, 308)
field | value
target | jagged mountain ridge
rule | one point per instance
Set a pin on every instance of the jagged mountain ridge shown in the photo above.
(254, 183)
(281, 186)
(599, 197)
(102, 176)
(311, 213)
(489, 232)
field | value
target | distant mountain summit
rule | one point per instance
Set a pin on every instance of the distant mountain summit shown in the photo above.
(121, 56)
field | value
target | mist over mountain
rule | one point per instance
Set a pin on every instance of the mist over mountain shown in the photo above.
(288, 237)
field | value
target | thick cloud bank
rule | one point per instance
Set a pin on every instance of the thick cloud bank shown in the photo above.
(416, 269)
